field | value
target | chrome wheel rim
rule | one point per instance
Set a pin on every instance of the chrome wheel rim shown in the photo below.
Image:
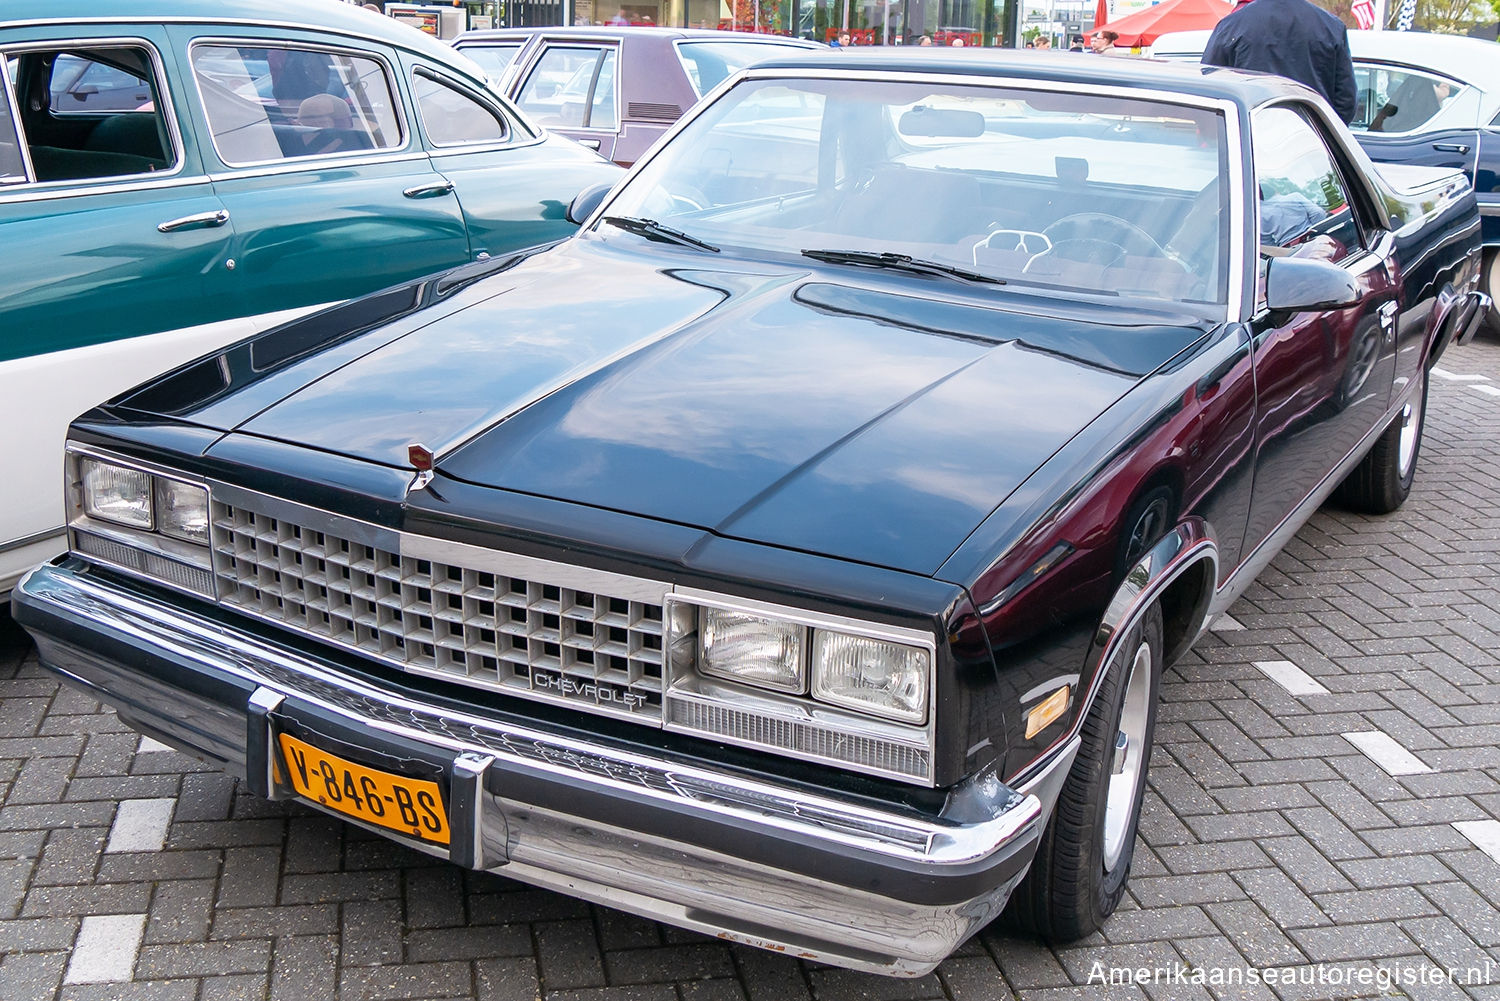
(1406, 447)
(1127, 762)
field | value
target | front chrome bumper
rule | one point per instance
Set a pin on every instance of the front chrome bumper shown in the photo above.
(810, 873)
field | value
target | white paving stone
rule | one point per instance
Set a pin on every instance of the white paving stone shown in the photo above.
(150, 745)
(1225, 624)
(1484, 833)
(106, 949)
(1488, 390)
(1382, 748)
(1291, 677)
(140, 825)
(1459, 376)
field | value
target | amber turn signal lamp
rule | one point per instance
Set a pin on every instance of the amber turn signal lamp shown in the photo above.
(1045, 712)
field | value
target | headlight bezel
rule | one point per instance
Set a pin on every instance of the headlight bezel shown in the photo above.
(167, 558)
(813, 624)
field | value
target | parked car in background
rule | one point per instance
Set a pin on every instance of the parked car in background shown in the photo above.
(172, 179)
(1424, 99)
(794, 553)
(615, 89)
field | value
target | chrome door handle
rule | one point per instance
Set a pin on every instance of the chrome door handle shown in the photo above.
(203, 220)
(592, 144)
(1451, 147)
(429, 190)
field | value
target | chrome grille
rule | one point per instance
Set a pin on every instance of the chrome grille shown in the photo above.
(474, 626)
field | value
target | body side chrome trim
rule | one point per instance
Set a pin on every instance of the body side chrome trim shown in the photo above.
(1250, 567)
(46, 191)
(303, 165)
(31, 540)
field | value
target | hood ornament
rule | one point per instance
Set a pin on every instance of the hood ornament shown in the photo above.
(420, 458)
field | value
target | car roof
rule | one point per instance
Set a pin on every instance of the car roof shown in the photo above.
(1468, 60)
(1066, 68)
(327, 15)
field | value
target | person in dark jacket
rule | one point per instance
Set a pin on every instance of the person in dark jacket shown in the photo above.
(1292, 38)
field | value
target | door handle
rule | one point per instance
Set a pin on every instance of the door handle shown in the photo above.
(203, 220)
(429, 190)
(1460, 148)
(592, 144)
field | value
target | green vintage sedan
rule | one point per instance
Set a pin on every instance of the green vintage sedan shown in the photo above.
(176, 176)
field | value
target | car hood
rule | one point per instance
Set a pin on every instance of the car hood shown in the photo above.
(841, 412)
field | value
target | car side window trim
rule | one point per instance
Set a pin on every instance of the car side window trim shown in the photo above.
(1364, 201)
(12, 111)
(1427, 75)
(514, 128)
(312, 160)
(165, 111)
(603, 49)
(1363, 253)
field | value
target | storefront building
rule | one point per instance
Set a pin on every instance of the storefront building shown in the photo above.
(868, 22)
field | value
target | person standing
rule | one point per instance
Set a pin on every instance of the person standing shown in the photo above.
(1103, 43)
(1292, 38)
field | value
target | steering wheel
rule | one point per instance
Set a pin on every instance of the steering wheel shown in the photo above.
(1100, 227)
(1081, 250)
(695, 200)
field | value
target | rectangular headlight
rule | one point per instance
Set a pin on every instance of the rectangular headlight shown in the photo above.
(182, 510)
(874, 676)
(117, 494)
(752, 649)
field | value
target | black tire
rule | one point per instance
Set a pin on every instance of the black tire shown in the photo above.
(1073, 886)
(1383, 478)
(1149, 518)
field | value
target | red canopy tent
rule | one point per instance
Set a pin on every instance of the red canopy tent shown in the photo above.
(1141, 28)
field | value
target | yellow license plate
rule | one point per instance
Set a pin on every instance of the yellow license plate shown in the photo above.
(412, 806)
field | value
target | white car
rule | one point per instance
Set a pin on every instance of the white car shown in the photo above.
(1423, 99)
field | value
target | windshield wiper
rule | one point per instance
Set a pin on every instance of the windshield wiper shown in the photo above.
(653, 230)
(901, 262)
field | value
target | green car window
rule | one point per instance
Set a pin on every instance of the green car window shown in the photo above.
(12, 166)
(453, 118)
(269, 103)
(116, 126)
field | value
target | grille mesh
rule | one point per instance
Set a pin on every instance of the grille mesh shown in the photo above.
(870, 753)
(471, 626)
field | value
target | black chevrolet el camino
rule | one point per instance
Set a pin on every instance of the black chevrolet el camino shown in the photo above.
(793, 554)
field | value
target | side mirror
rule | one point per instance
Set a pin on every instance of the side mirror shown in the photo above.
(1299, 284)
(586, 201)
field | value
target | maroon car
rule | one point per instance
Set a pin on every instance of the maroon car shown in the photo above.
(615, 89)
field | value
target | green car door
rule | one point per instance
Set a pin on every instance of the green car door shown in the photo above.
(513, 184)
(315, 159)
(115, 252)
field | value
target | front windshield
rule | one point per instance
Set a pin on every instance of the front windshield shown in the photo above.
(1045, 188)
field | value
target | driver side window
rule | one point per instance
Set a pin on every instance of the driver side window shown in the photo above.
(1304, 205)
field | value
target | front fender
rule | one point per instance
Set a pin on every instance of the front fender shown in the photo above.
(1180, 571)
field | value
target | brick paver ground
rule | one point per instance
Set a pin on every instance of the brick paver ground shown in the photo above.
(1269, 842)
